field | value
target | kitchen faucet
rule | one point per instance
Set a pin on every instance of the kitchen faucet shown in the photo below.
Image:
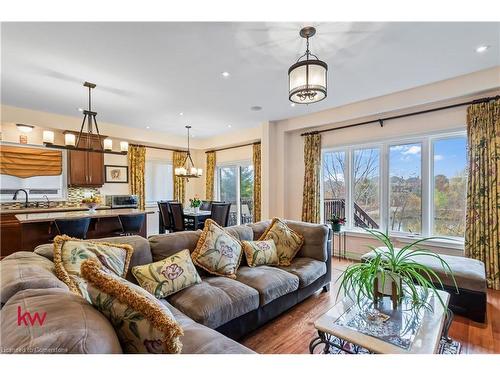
(25, 192)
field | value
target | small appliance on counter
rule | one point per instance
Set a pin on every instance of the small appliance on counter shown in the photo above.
(122, 201)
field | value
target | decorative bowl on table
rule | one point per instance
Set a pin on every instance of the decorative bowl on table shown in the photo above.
(92, 203)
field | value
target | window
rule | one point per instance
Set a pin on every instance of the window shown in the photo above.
(405, 188)
(449, 180)
(415, 186)
(235, 186)
(366, 176)
(159, 181)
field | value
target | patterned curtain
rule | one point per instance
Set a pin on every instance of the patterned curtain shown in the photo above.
(482, 232)
(256, 182)
(210, 173)
(137, 165)
(311, 195)
(179, 183)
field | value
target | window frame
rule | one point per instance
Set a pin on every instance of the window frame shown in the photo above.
(427, 177)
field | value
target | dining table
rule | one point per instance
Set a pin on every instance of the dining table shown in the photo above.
(198, 217)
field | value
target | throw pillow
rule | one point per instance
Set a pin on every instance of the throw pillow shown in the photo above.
(141, 322)
(69, 253)
(167, 276)
(259, 253)
(287, 241)
(217, 252)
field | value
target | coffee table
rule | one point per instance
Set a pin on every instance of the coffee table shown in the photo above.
(333, 333)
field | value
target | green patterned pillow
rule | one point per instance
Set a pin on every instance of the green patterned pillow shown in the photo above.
(287, 241)
(167, 276)
(69, 253)
(217, 251)
(141, 322)
(259, 253)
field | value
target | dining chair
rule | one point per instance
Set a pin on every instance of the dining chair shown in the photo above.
(165, 216)
(178, 224)
(220, 213)
(131, 224)
(76, 228)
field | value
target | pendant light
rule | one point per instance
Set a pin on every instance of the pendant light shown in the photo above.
(188, 170)
(307, 78)
(83, 141)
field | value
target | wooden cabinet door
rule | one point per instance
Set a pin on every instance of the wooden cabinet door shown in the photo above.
(95, 165)
(10, 235)
(77, 168)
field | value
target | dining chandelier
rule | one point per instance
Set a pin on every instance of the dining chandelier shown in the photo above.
(307, 78)
(188, 170)
(84, 140)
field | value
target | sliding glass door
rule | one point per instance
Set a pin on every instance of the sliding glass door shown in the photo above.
(235, 186)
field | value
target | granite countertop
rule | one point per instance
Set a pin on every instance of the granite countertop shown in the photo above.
(45, 209)
(51, 216)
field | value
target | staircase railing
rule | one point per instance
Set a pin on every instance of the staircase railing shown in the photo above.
(337, 207)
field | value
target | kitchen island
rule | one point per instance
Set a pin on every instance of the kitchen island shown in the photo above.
(38, 227)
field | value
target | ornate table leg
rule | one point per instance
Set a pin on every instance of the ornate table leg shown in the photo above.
(447, 323)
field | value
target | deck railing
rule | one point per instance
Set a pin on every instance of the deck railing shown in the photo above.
(337, 207)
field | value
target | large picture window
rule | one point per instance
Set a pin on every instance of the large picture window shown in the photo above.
(414, 186)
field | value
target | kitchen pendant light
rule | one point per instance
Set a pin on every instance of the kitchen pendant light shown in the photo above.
(307, 78)
(83, 140)
(188, 170)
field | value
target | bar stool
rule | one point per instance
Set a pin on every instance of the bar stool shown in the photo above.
(76, 228)
(131, 224)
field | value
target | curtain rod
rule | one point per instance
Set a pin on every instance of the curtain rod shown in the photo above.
(158, 148)
(381, 120)
(231, 147)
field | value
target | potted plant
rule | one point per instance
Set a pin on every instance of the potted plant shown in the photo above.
(395, 272)
(195, 204)
(336, 222)
(91, 202)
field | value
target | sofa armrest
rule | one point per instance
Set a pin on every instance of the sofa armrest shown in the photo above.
(317, 239)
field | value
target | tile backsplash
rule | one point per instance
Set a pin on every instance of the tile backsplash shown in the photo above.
(75, 196)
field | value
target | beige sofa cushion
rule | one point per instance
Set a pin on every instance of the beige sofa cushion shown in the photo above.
(288, 242)
(141, 255)
(306, 269)
(270, 282)
(260, 253)
(141, 322)
(199, 339)
(26, 270)
(167, 276)
(71, 325)
(216, 301)
(217, 252)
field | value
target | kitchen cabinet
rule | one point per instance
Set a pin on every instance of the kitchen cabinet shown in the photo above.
(10, 235)
(86, 168)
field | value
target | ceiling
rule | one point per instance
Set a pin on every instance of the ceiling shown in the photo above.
(148, 73)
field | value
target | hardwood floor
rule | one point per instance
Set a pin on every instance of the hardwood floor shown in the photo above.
(293, 330)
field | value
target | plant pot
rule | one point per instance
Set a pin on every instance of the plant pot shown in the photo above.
(386, 286)
(196, 209)
(336, 227)
(92, 207)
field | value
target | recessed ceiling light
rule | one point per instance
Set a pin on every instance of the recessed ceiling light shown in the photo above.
(292, 104)
(482, 49)
(80, 109)
(229, 126)
(256, 108)
(225, 74)
(181, 114)
(147, 127)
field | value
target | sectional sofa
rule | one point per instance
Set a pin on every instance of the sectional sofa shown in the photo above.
(212, 314)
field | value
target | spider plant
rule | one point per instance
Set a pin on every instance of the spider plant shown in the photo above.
(413, 279)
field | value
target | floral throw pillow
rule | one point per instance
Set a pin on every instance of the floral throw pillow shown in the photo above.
(167, 276)
(259, 253)
(69, 253)
(217, 251)
(287, 241)
(141, 322)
